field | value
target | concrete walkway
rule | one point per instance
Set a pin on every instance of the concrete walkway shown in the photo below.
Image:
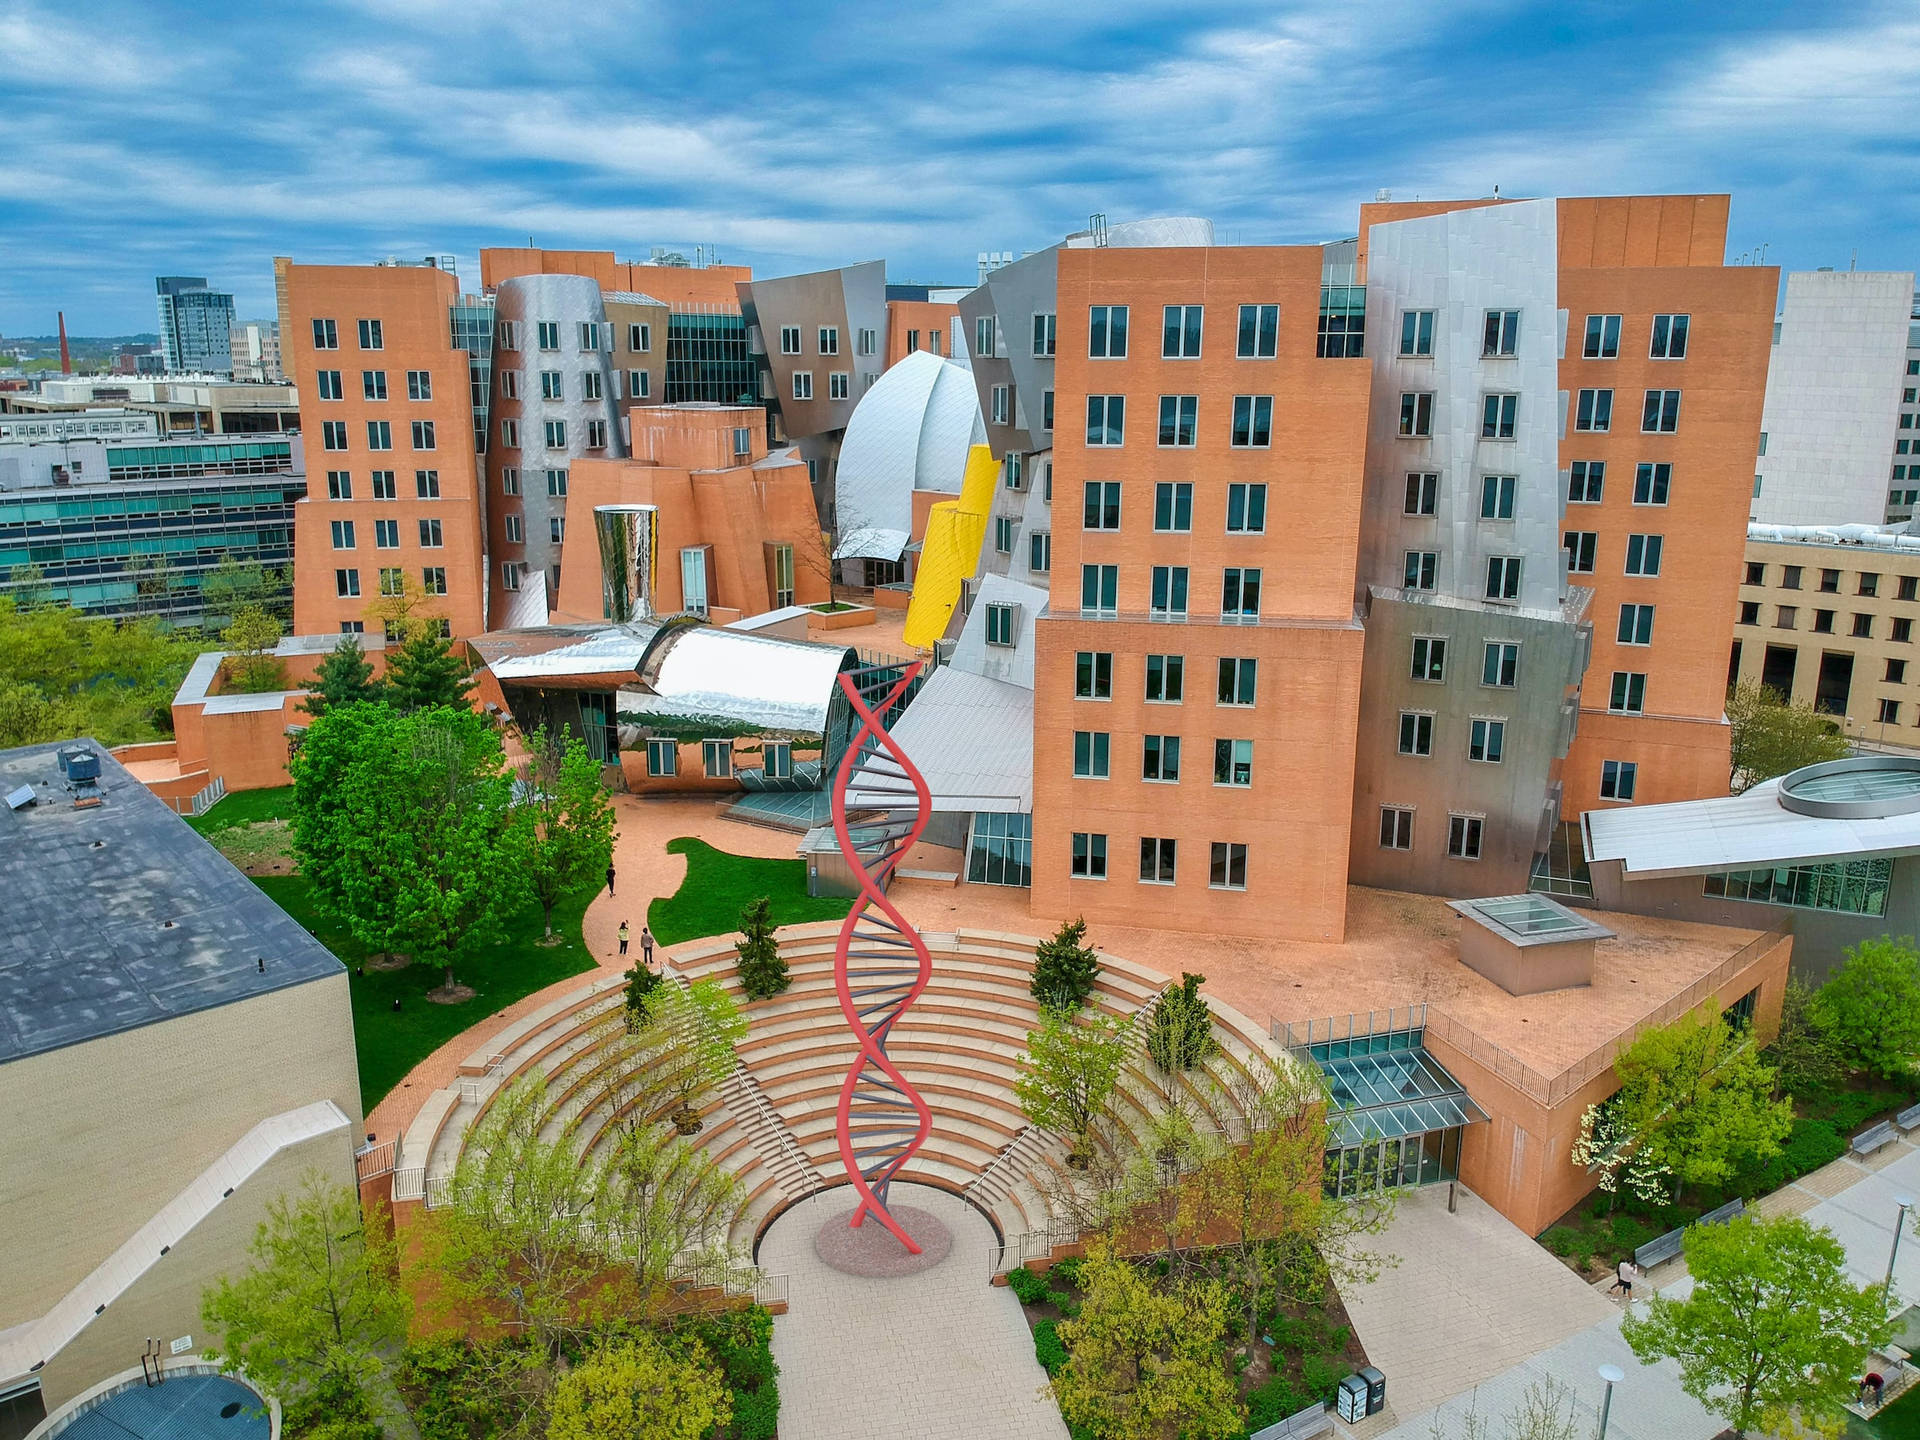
(941, 1355)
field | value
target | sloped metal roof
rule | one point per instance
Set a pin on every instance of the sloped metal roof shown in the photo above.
(973, 740)
(911, 431)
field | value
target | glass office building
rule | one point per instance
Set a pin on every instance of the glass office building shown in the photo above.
(707, 359)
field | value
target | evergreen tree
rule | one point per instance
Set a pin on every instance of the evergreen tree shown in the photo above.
(1180, 1032)
(425, 672)
(345, 677)
(641, 983)
(763, 973)
(1064, 968)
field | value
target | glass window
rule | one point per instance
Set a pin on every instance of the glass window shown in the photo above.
(326, 336)
(1093, 675)
(1636, 625)
(1040, 552)
(1421, 570)
(1586, 480)
(1496, 496)
(1180, 332)
(1179, 419)
(1650, 484)
(1101, 505)
(1594, 410)
(1502, 334)
(1416, 332)
(1157, 859)
(663, 757)
(1500, 664)
(1629, 693)
(1603, 338)
(1107, 332)
(1252, 421)
(716, 758)
(1246, 509)
(1173, 506)
(1429, 658)
(1617, 779)
(1166, 676)
(1090, 754)
(1169, 592)
(1002, 624)
(1670, 337)
(1237, 680)
(1423, 493)
(1463, 836)
(1106, 419)
(1259, 332)
(1487, 741)
(1100, 588)
(1227, 868)
(1416, 414)
(1503, 577)
(1855, 887)
(1233, 762)
(1043, 335)
(1396, 828)
(1240, 594)
(1160, 758)
(1000, 851)
(1089, 856)
(1660, 414)
(1416, 732)
(1643, 555)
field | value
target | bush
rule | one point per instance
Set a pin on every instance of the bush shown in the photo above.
(1064, 968)
(1563, 1240)
(1319, 1374)
(1854, 1108)
(332, 1411)
(763, 974)
(756, 1413)
(1180, 1032)
(1273, 1400)
(1068, 1272)
(1029, 1287)
(1630, 1232)
(1047, 1348)
(1064, 1302)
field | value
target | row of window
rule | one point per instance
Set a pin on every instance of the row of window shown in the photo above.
(373, 385)
(1792, 577)
(716, 758)
(555, 434)
(1165, 678)
(326, 335)
(1160, 759)
(1181, 331)
(433, 581)
(592, 335)
(1464, 832)
(1587, 482)
(333, 435)
(839, 384)
(1251, 428)
(1160, 861)
(1787, 617)
(1239, 592)
(828, 337)
(510, 480)
(1486, 736)
(1500, 335)
(426, 484)
(1500, 413)
(1644, 553)
(516, 528)
(1173, 507)
(386, 535)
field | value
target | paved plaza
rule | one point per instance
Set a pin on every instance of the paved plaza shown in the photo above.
(941, 1355)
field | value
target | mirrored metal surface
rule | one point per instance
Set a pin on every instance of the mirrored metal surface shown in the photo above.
(629, 538)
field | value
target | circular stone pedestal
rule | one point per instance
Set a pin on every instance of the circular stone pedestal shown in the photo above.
(872, 1252)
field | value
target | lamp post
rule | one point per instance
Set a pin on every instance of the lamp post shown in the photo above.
(1905, 1203)
(1613, 1375)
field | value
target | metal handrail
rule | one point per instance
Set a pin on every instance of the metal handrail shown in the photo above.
(764, 1112)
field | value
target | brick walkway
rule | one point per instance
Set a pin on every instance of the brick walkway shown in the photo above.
(941, 1355)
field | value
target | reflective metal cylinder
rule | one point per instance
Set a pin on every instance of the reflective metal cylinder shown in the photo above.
(629, 538)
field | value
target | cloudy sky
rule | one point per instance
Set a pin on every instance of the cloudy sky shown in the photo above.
(179, 138)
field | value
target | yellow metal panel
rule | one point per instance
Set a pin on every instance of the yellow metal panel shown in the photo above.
(951, 550)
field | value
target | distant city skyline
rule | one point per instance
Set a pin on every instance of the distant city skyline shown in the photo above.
(163, 138)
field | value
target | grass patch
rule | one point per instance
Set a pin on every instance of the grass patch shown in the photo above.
(389, 1043)
(718, 886)
(247, 807)
(1899, 1421)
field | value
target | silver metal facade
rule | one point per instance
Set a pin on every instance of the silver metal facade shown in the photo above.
(629, 541)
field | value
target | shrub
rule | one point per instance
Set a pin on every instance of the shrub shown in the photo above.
(1562, 1240)
(1320, 1373)
(1047, 1348)
(1180, 1034)
(332, 1411)
(1630, 1233)
(1871, 1004)
(756, 1413)
(1064, 1302)
(763, 974)
(1854, 1108)
(1029, 1287)
(1067, 1272)
(1273, 1400)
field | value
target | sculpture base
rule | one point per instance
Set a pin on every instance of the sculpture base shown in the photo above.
(874, 1253)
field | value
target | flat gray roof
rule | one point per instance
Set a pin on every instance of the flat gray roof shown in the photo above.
(120, 915)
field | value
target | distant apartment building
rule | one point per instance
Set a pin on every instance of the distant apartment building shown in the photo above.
(1838, 443)
(256, 351)
(196, 326)
(101, 512)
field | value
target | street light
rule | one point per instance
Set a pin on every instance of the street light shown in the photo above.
(1613, 1375)
(1905, 1203)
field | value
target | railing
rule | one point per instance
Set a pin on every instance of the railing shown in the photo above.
(410, 1183)
(1016, 1250)
(372, 1161)
(1293, 1036)
(755, 1101)
(436, 1191)
(204, 801)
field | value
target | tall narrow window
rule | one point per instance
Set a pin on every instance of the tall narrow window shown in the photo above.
(1173, 506)
(1106, 419)
(1594, 411)
(1166, 678)
(1502, 335)
(1180, 332)
(1498, 414)
(1660, 415)
(1259, 332)
(1101, 510)
(1168, 600)
(1252, 421)
(1246, 509)
(1240, 594)
(1496, 496)
(1416, 414)
(1423, 492)
(1179, 419)
(1107, 332)
(1603, 338)
(1670, 337)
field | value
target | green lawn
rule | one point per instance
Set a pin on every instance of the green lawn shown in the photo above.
(390, 1043)
(1899, 1421)
(247, 807)
(718, 886)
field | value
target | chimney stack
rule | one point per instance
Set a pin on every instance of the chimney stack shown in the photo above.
(66, 360)
(629, 538)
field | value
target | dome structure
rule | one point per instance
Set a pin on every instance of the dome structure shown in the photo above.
(911, 431)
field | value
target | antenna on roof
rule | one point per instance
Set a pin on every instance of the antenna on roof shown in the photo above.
(1496, 192)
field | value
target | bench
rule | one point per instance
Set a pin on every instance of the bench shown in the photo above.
(1665, 1247)
(1314, 1420)
(1908, 1119)
(1872, 1138)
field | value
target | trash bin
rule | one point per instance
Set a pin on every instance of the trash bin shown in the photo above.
(1351, 1402)
(1376, 1384)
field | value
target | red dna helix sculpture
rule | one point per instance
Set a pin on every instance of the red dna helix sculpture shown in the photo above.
(881, 963)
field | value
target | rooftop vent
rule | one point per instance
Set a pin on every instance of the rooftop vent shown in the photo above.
(20, 799)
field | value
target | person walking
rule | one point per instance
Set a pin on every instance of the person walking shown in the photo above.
(646, 945)
(623, 938)
(1623, 1277)
(609, 879)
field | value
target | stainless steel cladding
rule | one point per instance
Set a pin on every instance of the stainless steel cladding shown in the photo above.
(735, 681)
(629, 538)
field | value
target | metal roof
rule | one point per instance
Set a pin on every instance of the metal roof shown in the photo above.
(912, 431)
(1736, 832)
(972, 738)
(119, 916)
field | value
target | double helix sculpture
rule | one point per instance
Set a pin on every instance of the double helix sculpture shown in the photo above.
(881, 963)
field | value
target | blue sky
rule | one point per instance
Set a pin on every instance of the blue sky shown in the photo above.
(154, 138)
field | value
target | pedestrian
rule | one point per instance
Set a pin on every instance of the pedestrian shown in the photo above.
(646, 945)
(1623, 1277)
(623, 937)
(1872, 1386)
(609, 879)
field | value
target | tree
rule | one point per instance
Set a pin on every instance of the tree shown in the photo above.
(1772, 736)
(1180, 1032)
(233, 586)
(1546, 1412)
(644, 1387)
(321, 1297)
(641, 982)
(517, 1235)
(570, 842)
(65, 674)
(763, 974)
(251, 637)
(1804, 1053)
(665, 1208)
(1068, 1075)
(1143, 1365)
(1064, 968)
(1774, 1329)
(693, 1029)
(1696, 1098)
(352, 881)
(345, 677)
(1870, 1006)
(1261, 1194)
(425, 673)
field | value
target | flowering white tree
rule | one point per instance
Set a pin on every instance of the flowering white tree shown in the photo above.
(1601, 1146)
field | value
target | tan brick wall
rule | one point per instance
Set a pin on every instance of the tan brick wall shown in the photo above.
(99, 1136)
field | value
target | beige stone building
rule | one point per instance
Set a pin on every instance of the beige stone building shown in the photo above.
(175, 1053)
(1826, 617)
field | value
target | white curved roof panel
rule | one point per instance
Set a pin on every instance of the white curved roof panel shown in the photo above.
(911, 431)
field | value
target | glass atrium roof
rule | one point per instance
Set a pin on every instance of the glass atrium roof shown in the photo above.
(1529, 919)
(1859, 785)
(1388, 1093)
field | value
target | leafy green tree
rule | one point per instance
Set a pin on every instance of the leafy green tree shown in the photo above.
(1180, 1030)
(64, 674)
(1774, 1330)
(29, 718)
(693, 1029)
(320, 1299)
(353, 882)
(424, 673)
(1696, 1097)
(763, 973)
(1804, 1052)
(251, 637)
(641, 982)
(235, 585)
(1870, 1006)
(1065, 968)
(570, 842)
(345, 677)
(667, 1205)
(1068, 1075)
(1772, 736)
(1143, 1364)
(644, 1387)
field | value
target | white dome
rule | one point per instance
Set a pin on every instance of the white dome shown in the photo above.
(911, 431)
